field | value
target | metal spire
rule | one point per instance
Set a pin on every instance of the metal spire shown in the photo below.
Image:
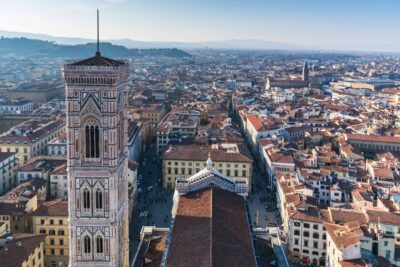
(98, 35)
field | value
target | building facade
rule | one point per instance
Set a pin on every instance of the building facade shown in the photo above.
(30, 138)
(51, 219)
(97, 154)
(182, 161)
(8, 166)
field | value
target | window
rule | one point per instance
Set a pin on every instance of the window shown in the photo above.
(92, 139)
(306, 243)
(305, 251)
(244, 173)
(306, 225)
(52, 251)
(86, 199)
(60, 232)
(99, 244)
(306, 234)
(42, 221)
(176, 170)
(60, 222)
(296, 241)
(61, 242)
(51, 221)
(315, 253)
(52, 232)
(52, 242)
(99, 199)
(42, 231)
(315, 244)
(236, 173)
(87, 244)
(386, 243)
(296, 232)
(315, 235)
(387, 254)
(169, 170)
(315, 226)
(297, 224)
(62, 252)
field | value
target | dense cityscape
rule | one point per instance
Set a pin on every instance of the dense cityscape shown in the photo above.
(197, 157)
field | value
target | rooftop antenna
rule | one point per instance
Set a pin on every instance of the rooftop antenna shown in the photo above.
(98, 35)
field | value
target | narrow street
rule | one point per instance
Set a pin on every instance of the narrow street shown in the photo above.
(261, 202)
(154, 204)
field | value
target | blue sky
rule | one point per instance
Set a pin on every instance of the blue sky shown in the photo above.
(322, 23)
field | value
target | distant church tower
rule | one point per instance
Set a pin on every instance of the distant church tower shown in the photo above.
(305, 72)
(96, 99)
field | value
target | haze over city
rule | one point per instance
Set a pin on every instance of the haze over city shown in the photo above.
(298, 24)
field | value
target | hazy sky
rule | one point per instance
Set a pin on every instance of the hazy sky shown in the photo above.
(331, 23)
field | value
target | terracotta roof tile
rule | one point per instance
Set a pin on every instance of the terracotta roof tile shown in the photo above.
(211, 229)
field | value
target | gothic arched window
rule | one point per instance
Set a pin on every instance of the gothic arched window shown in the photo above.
(99, 199)
(99, 244)
(121, 133)
(92, 139)
(86, 199)
(87, 244)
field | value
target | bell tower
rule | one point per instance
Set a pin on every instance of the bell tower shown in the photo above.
(96, 99)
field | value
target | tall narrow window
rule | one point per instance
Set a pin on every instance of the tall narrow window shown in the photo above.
(87, 245)
(87, 140)
(86, 199)
(99, 199)
(92, 142)
(99, 244)
(97, 141)
(121, 133)
(92, 139)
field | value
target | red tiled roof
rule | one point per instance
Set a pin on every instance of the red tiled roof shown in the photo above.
(52, 208)
(373, 138)
(19, 249)
(200, 153)
(211, 229)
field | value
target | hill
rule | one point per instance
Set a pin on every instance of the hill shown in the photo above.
(38, 48)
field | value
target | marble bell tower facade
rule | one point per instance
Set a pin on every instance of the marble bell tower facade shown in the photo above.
(96, 101)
